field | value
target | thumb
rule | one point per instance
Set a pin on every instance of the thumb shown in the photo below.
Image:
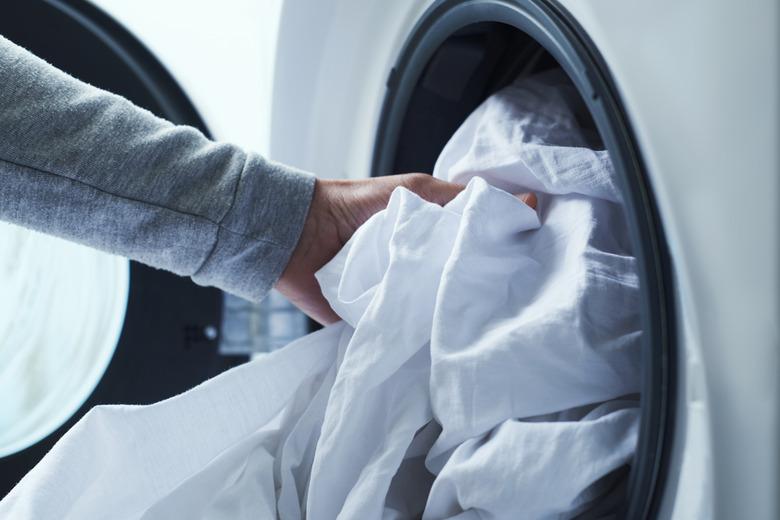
(436, 190)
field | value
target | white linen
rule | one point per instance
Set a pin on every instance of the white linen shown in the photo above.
(479, 342)
(555, 329)
(207, 453)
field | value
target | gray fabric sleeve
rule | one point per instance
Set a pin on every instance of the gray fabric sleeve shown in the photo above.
(89, 166)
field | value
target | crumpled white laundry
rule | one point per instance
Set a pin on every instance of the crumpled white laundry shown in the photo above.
(556, 329)
(481, 370)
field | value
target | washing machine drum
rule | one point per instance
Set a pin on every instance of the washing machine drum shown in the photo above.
(461, 52)
(78, 327)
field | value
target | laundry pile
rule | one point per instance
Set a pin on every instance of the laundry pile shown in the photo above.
(487, 365)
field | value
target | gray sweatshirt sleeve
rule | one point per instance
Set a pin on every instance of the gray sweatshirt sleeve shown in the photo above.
(89, 166)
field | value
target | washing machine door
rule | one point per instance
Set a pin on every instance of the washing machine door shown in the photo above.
(341, 108)
(169, 338)
(695, 86)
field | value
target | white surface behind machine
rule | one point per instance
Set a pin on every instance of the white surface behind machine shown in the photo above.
(685, 96)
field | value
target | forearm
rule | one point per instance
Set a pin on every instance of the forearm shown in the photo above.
(89, 166)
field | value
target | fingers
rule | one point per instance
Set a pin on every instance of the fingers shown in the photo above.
(441, 192)
(528, 198)
(429, 188)
(305, 293)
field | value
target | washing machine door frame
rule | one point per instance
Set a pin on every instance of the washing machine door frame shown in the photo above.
(174, 104)
(559, 33)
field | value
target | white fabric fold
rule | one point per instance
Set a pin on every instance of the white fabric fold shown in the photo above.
(523, 469)
(207, 453)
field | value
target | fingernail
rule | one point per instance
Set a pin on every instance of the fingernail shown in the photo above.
(529, 199)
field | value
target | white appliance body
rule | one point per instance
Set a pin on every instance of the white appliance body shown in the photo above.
(304, 82)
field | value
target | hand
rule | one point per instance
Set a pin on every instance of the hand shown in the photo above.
(338, 208)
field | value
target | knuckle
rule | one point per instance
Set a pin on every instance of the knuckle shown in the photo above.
(418, 182)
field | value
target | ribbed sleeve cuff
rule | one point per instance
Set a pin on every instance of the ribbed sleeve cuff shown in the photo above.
(257, 236)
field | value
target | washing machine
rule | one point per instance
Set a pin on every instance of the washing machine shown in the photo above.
(685, 97)
(683, 94)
